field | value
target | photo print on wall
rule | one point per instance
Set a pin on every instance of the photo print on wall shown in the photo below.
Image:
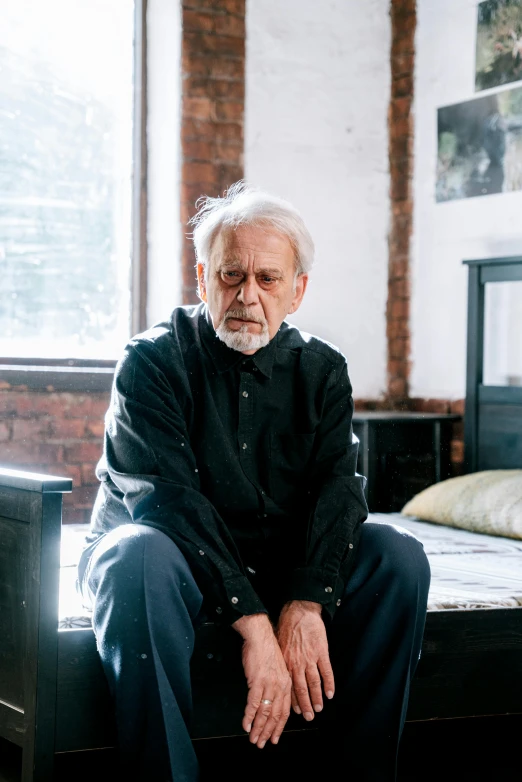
(499, 43)
(480, 146)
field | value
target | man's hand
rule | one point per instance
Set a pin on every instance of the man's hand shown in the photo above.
(302, 638)
(267, 678)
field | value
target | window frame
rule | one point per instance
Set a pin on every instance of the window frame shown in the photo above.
(95, 375)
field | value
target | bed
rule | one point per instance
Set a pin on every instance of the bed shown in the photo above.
(53, 695)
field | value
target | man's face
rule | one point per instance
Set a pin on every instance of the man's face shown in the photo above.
(250, 286)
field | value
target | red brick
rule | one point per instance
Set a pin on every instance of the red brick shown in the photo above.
(440, 406)
(205, 86)
(457, 451)
(457, 429)
(94, 406)
(229, 111)
(399, 288)
(229, 69)
(95, 429)
(400, 308)
(197, 21)
(67, 428)
(458, 406)
(399, 347)
(72, 471)
(198, 108)
(88, 475)
(399, 267)
(195, 171)
(31, 430)
(397, 328)
(14, 453)
(397, 368)
(219, 45)
(86, 451)
(236, 7)
(230, 25)
(198, 150)
(398, 387)
(402, 209)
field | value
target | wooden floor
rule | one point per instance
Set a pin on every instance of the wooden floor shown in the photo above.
(478, 750)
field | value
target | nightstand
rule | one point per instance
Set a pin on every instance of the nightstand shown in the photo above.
(402, 453)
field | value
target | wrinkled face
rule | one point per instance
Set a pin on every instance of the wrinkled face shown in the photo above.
(250, 286)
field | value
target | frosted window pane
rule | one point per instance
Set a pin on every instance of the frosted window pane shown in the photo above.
(503, 334)
(66, 102)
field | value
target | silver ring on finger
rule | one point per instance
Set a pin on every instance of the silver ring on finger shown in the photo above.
(266, 701)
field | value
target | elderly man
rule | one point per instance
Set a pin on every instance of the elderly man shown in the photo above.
(228, 490)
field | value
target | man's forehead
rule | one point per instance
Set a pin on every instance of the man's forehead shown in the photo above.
(262, 245)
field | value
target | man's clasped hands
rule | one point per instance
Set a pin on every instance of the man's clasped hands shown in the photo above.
(284, 665)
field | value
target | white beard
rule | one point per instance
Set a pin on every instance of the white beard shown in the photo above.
(242, 339)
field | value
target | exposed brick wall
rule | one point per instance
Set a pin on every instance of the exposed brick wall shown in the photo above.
(213, 98)
(56, 434)
(400, 122)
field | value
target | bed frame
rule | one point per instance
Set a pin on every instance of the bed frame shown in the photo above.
(53, 693)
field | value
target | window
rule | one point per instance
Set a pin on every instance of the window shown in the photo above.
(67, 143)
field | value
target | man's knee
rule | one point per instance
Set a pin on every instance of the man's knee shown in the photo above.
(398, 555)
(135, 557)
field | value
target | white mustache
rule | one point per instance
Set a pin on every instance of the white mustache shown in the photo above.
(244, 314)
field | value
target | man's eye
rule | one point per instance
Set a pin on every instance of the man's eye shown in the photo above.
(268, 279)
(230, 275)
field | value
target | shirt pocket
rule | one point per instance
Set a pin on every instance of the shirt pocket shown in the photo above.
(290, 456)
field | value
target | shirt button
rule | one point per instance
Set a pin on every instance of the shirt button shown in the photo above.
(244, 446)
(245, 394)
(350, 545)
(338, 603)
(202, 553)
(234, 600)
(219, 610)
(328, 589)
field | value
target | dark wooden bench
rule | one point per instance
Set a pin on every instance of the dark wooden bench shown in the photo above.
(53, 694)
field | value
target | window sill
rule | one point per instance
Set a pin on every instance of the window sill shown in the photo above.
(40, 376)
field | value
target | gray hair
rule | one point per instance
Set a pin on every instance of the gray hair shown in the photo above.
(246, 205)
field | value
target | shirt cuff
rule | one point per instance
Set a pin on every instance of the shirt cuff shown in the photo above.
(318, 586)
(236, 600)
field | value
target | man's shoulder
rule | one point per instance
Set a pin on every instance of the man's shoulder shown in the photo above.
(165, 345)
(182, 325)
(311, 346)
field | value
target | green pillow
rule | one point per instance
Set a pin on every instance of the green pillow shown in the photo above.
(488, 502)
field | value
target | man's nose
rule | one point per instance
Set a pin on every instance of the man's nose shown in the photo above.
(248, 293)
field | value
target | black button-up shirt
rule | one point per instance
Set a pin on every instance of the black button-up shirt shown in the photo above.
(246, 462)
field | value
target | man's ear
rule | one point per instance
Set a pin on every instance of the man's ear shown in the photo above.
(202, 288)
(300, 288)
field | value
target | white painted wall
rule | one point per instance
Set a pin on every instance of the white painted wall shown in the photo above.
(446, 233)
(317, 93)
(164, 165)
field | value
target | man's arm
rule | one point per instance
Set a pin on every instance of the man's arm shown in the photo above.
(337, 502)
(149, 459)
(338, 509)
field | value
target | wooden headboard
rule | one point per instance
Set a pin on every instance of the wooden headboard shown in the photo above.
(493, 417)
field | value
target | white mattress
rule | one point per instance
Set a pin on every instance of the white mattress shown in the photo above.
(468, 570)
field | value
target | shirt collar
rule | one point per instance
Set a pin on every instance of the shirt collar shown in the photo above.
(224, 358)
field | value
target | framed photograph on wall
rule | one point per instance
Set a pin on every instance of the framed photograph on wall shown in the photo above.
(499, 43)
(480, 146)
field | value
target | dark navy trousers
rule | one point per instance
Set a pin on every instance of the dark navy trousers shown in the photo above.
(146, 606)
